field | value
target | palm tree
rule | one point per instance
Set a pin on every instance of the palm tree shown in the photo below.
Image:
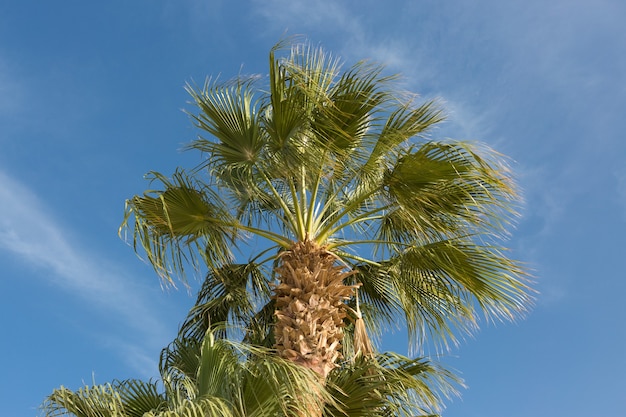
(198, 378)
(215, 377)
(353, 216)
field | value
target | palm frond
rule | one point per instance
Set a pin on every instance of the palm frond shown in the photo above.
(444, 287)
(341, 121)
(217, 369)
(259, 330)
(481, 272)
(405, 122)
(273, 386)
(96, 401)
(180, 225)
(139, 397)
(390, 385)
(178, 366)
(446, 189)
(379, 299)
(285, 117)
(230, 295)
(205, 407)
(229, 112)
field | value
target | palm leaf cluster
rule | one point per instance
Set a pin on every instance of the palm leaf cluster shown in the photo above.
(214, 377)
(342, 159)
(322, 213)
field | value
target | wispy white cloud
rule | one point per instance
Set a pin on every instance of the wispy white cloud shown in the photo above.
(29, 231)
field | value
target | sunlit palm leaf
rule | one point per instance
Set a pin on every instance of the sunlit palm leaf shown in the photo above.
(481, 272)
(173, 225)
(404, 123)
(178, 365)
(139, 397)
(286, 116)
(442, 188)
(205, 407)
(217, 369)
(391, 385)
(229, 112)
(345, 116)
(275, 387)
(248, 381)
(96, 401)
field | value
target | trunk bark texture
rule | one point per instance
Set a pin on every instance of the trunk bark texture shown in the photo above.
(310, 307)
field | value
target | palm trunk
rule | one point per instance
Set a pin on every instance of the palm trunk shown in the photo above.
(310, 307)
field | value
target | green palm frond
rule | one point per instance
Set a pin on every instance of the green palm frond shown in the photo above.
(139, 397)
(390, 385)
(287, 111)
(275, 387)
(179, 223)
(441, 288)
(259, 329)
(230, 295)
(131, 398)
(250, 379)
(479, 271)
(404, 122)
(96, 401)
(345, 115)
(217, 368)
(178, 366)
(378, 297)
(444, 287)
(230, 112)
(210, 377)
(205, 407)
(444, 187)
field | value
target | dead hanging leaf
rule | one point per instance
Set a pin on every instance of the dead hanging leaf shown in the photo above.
(362, 342)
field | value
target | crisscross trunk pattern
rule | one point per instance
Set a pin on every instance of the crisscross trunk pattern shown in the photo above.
(310, 308)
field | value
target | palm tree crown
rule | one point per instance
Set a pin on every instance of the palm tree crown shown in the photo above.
(338, 162)
(353, 221)
(353, 217)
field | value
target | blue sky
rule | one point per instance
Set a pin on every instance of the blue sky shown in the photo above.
(90, 100)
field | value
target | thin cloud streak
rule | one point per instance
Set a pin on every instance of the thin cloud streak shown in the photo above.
(27, 230)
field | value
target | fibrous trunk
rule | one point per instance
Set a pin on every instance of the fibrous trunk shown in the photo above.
(310, 307)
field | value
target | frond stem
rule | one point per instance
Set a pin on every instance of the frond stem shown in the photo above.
(333, 228)
(312, 225)
(345, 255)
(280, 240)
(341, 243)
(301, 233)
(291, 221)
